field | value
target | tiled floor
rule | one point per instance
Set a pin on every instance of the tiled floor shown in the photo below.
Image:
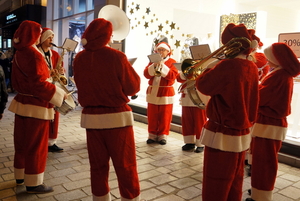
(166, 173)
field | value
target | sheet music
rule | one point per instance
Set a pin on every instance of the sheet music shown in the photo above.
(70, 44)
(200, 51)
(132, 60)
(155, 58)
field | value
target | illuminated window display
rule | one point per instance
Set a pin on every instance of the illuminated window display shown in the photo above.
(152, 21)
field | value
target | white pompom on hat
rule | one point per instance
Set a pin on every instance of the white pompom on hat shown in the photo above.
(281, 54)
(46, 33)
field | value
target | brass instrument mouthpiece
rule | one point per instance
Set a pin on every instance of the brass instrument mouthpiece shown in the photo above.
(53, 44)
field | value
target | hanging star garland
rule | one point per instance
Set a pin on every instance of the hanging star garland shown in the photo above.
(131, 11)
(148, 11)
(172, 25)
(160, 27)
(177, 44)
(137, 7)
(146, 25)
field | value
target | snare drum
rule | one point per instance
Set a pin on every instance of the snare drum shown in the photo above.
(199, 99)
(67, 106)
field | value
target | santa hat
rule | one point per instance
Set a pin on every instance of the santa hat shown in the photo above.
(27, 34)
(163, 45)
(234, 31)
(97, 34)
(282, 55)
(46, 33)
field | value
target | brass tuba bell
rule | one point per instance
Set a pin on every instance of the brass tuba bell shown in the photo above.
(193, 68)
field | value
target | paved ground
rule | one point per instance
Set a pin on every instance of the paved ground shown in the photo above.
(166, 173)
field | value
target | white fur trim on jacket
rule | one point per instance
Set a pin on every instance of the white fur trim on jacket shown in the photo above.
(225, 142)
(58, 97)
(106, 121)
(269, 131)
(34, 111)
(261, 194)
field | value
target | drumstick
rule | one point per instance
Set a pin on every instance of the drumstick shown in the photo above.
(70, 93)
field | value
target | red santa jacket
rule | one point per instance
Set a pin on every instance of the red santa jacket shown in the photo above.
(160, 90)
(275, 94)
(35, 94)
(233, 87)
(104, 80)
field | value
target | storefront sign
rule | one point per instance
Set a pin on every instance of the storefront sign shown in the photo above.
(292, 40)
(11, 18)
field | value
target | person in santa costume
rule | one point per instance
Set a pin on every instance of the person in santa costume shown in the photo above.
(269, 130)
(33, 108)
(160, 94)
(232, 85)
(104, 79)
(3, 93)
(52, 58)
(192, 118)
(263, 67)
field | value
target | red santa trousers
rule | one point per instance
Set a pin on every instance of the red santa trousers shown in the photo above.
(264, 167)
(159, 119)
(222, 175)
(53, 131)
(192, 121)
(31, 149)
(117, 144)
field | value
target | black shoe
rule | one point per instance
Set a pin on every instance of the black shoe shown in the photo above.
(20, 182)
(199, 149)
(188, 147)
(249, 199)
(54, 148)
(248, 170)
(40, 189)
(150, 141)
(163, 142)
(249, 191)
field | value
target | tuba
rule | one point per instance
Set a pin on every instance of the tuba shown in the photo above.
(192, 69)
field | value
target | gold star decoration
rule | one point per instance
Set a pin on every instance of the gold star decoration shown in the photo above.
(156, 41)
(132, 27)
(146, 25)
(160, 27)
(177, 44)
(171, 36)
(143, 17)
(151, 20)
(167, 22)
(172, 25)
(167, 32)
(182, 51)
(137, 7)
(132, 3)
(148, 11)
(139, 22)
(131, 11)
(151, 32)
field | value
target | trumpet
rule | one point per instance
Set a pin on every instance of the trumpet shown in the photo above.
(158, 70)
(193, 68)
